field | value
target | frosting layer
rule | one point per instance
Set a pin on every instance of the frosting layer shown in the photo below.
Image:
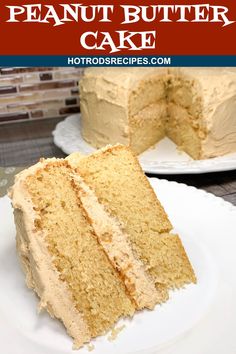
(41, 275)
(113, 99)
(115, 243)
(209, 97)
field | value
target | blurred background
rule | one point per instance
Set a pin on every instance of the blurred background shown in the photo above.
(32, 101)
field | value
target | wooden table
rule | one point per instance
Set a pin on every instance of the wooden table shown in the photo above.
(22, 144)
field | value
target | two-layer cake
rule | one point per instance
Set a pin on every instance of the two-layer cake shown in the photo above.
(94, 241)
(195, 107)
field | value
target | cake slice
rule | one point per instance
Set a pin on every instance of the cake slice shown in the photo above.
(63, 261)
(94, 241)
(120, 185)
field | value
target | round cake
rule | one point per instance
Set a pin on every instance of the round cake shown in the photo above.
(194, 107)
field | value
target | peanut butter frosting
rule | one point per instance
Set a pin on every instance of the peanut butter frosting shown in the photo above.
(212, 92)
(37, 263)
(79, 257)
(115, 243)
(112, 97)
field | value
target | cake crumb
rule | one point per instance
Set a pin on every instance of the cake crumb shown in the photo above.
(90, 347)
(115, 332)
(180, 149)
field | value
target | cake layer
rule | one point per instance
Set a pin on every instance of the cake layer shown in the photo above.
(120, 185)
(168, 262)
(37, 263)
(115, 243)
(127, 185)
(147, 126)
(180, 128)
(74, 256)
(150, 89)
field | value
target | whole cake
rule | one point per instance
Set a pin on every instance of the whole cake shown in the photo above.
(94, 241)
(194, 107)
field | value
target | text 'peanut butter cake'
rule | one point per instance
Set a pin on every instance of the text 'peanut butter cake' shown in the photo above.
(94, 241)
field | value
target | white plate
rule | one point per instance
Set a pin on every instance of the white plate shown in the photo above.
(200, 319)
(163, 158)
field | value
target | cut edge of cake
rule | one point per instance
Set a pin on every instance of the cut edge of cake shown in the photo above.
(37, 262)
(198, 103)
(114, 241)
(163, 236)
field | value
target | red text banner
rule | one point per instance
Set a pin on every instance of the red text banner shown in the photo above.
(124, 28)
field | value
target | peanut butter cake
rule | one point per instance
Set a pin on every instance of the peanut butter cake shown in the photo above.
(94, 241)
(194, 107)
